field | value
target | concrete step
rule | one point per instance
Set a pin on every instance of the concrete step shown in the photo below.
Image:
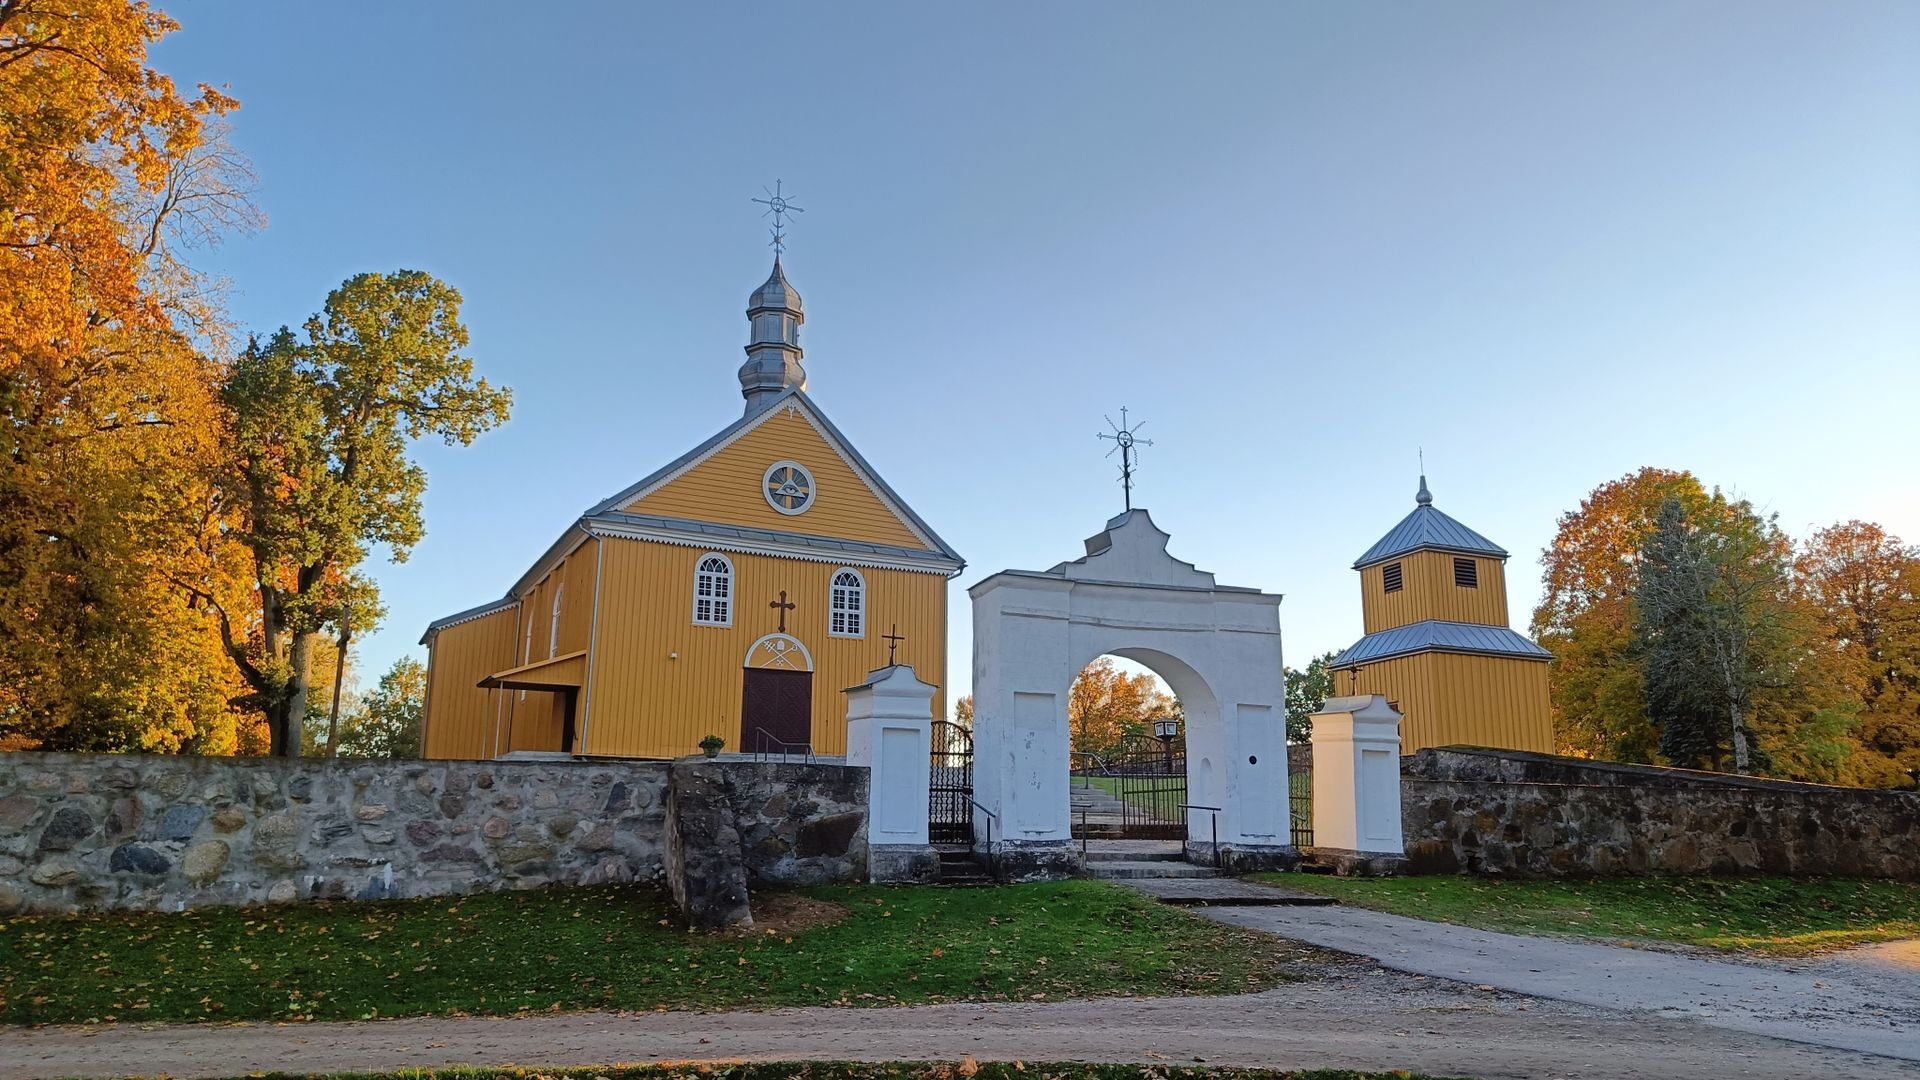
(1126, 870)
(1094, 855)
(1223, 892)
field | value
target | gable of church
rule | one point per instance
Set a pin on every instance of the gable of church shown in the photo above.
(727, 484)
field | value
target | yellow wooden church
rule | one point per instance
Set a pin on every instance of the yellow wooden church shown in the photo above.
(735, 592)
(1433, 596)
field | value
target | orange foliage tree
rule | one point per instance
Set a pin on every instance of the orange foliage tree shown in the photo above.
(1862, 587)
(111, 446)
(1106, 704)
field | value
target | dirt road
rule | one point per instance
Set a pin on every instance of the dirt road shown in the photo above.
(1359, 1017)
(1867, 999)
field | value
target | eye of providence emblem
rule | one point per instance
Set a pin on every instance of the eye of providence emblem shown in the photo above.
(789, 487)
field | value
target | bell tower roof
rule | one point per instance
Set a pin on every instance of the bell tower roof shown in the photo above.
(1428, 529)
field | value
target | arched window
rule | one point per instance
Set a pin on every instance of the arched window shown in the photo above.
(847, 609)
(553, 623)
(713, 591)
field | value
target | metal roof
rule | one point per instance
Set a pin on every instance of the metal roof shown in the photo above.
(834, 437)
(1428, 528)
(1438, 635)
(721, 535)
(939, 553)
(464, 616)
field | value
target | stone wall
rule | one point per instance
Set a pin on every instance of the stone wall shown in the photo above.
(1533, 815)
(732, 824)
(149, 832)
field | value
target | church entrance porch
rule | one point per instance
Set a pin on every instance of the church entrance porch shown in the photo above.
(776, 698)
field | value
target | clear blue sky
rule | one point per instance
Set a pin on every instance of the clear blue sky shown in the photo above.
(1549, 243)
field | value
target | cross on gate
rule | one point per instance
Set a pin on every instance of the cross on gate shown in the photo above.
(893, 638)
(783, 607)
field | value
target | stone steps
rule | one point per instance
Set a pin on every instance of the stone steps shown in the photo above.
(1134, 869)
(1095, 855)
(959, 867)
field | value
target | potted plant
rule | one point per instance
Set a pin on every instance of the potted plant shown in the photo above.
(711, 745)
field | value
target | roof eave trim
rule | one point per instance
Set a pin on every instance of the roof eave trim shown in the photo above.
(1365, 562)
(1342, 660)
(929, 564)
(466, 616)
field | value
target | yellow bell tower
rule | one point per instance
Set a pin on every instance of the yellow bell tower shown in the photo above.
(1433, 596)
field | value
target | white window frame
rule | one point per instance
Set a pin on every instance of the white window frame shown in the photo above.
(856, 611)
(553, 623)
(720, 595)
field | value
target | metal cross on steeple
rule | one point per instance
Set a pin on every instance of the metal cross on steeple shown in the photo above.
(893, 638)
(1127, 443)
(777, 205)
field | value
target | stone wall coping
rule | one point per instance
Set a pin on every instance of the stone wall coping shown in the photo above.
(1475, 764)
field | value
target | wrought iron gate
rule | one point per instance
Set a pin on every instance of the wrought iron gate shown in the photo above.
(1147, 778)
(1300, 806)
(950, 790)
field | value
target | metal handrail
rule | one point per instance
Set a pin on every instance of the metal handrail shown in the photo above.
(1216, 829)
(991, 818)
(1100, 766)
(761, 753)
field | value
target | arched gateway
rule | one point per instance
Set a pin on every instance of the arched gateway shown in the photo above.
(1217, 647)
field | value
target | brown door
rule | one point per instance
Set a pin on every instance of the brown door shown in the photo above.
(776, 711)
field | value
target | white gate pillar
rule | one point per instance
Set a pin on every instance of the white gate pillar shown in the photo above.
(890, 731)
(1356, 785)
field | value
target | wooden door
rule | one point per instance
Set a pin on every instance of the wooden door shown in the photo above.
(776, 711)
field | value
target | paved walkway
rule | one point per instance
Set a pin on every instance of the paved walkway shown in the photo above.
(1357, 1017)
(1867, 1000)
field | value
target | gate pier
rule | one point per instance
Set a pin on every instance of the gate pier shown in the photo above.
(889, 730)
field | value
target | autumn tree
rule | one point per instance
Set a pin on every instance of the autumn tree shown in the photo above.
(963, 711)
(1105, 704)
(1859, 585)
(109, 177)
(1307, 690)
(322, 426)
(385, 721)
(1585, 615)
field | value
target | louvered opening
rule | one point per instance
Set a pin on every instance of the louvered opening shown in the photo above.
(1390, 574)
(1466, 573)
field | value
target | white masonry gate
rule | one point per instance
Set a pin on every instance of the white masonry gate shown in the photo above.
(1217, 647)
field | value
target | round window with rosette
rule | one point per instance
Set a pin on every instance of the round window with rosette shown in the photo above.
(789, 487)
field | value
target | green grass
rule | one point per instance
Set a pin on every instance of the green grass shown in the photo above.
(618, 947)
(866, 1071)
(1772, 915)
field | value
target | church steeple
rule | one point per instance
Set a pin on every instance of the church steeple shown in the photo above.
(773, 350)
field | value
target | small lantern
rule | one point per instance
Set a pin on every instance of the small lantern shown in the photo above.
(1165, 728)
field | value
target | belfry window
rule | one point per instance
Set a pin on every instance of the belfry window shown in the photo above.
(1390, 577)
(1466, 574)
(553, 623)
(847, 608)
(713, 591)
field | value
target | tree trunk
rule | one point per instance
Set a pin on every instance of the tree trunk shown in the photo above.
(299, 656)
(339, 678)
(1741, 762)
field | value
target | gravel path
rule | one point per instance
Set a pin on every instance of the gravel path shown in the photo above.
(1864, 999)
(1357, 1017)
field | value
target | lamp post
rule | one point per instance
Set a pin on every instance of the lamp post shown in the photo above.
(1164, 729)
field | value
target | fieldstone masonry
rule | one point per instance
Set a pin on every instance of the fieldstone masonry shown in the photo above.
(731, 824)
(83, 831)
(1505, 813)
